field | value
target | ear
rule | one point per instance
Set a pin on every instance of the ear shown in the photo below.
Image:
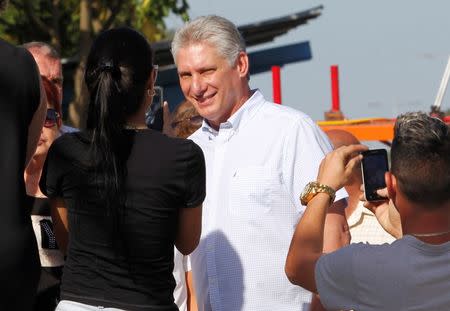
(242, 64)
(152, 79)
(391, 184)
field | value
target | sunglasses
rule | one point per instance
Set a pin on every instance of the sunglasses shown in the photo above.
(51, 119)
(195, 120)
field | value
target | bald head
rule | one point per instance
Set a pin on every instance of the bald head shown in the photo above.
(342, 138)
(49, 63)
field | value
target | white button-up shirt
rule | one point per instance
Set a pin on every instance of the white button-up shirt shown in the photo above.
(257, 164)
(364, 227)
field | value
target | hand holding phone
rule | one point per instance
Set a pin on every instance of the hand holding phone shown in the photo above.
(374, 165)
(385, 212)
(154, 115)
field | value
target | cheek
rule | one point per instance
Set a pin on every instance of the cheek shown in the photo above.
(217, 79)
(185, 86)
(50, 133)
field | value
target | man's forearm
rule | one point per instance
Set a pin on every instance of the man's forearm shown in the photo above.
(307, 243)
(336, 235)
(308, 240)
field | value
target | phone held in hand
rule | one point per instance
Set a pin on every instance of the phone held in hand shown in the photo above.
(154, 115)
(374, 165)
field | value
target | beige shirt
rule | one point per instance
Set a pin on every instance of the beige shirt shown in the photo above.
(364, 227)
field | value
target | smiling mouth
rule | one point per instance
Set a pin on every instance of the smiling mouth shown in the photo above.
(205, 100)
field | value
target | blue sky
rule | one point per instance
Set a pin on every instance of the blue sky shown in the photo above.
(391, 54)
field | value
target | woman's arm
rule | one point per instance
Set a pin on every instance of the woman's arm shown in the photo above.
(189, 229)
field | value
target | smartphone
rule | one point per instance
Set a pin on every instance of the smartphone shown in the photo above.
(374, 165)
(154, 115)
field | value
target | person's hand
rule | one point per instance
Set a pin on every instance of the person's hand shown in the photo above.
(337, 167)
(167, 120)
(385, 212)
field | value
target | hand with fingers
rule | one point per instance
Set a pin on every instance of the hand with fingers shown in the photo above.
(385, 212)
(337, 167)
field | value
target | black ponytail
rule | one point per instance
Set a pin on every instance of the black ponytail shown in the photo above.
(108, 139)
(117, 71)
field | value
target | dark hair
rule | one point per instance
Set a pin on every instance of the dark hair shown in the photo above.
(117, 71)
(181, 117)
(420, 158)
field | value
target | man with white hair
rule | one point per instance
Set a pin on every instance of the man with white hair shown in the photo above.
(259, 156)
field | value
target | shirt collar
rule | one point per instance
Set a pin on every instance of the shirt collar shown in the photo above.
(358, 214)
(245, 112)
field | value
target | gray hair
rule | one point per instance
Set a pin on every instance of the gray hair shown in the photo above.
(214, 30)
(420, 158)
(421, 126)
(43, 48)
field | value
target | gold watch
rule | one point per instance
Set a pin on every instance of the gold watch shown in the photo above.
(312, 189)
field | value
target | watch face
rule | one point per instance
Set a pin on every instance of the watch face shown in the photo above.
(307, 193)
(306, 190)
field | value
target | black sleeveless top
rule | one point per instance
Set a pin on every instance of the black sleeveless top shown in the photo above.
(19, 99)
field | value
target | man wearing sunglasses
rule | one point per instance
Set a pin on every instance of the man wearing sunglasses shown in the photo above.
(51, 258)
(49, 63)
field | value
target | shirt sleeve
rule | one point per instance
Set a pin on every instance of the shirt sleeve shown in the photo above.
(304, 148)
(195, 178)
(335, 280)
(52, 173)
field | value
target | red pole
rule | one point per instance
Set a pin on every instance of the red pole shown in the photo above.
(335, 106)
(276, 82)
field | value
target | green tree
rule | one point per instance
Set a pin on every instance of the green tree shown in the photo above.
(71, 25)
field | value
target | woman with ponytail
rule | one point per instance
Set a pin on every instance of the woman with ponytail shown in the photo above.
(122, 194)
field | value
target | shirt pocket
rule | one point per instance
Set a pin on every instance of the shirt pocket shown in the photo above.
(253, 190)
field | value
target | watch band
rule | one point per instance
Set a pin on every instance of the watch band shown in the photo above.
(328, 190)
(313, 188)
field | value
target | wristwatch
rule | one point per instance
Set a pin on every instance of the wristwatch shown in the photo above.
(312, 189)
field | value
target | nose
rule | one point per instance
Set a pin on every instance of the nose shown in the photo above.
(198, 86)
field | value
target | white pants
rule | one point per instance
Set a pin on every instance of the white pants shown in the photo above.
(68, 305)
